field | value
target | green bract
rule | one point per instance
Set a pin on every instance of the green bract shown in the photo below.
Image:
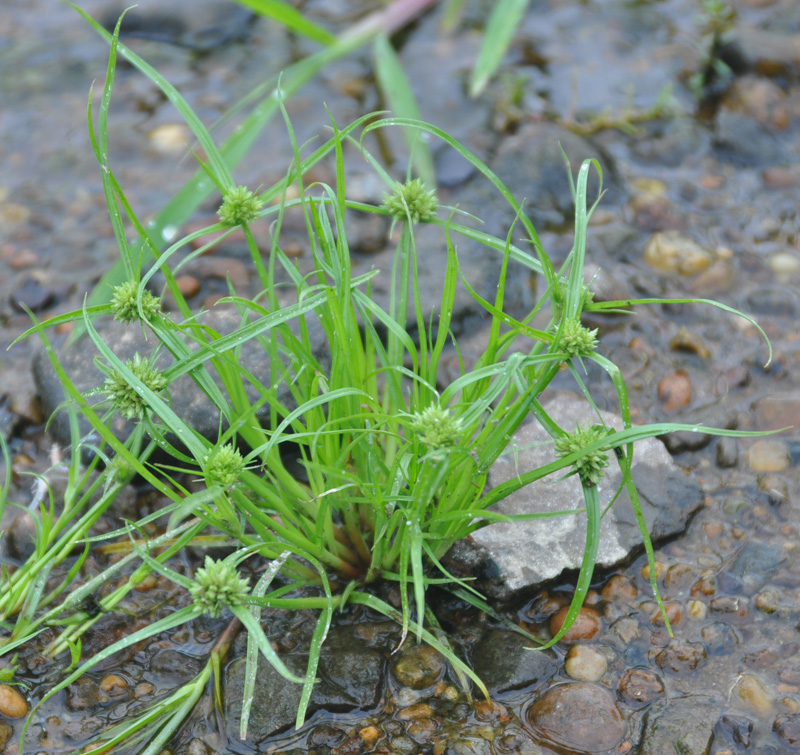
(218, 585)
(577, 340)
(123, 303)
(240, 205)
(411, 200)
(437, 428)
(223, 466)
(124, 397)
(590, 467)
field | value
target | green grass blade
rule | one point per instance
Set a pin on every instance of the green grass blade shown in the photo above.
(291, 18)
(399, 96)
(497, 37)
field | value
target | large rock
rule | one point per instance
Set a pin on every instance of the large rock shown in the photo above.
(528, 553)
(350, 677)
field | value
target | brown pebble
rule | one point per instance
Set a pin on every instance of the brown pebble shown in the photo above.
(679, 657)
(639, 686)
(421, 710)
(144, 689)
(587, 625)
(12, 703)
(675, 391)
(619, 589)
(113, 684)
(674, 613)
(678, 575)
(24, 258)
(370, 735)
(188, 285)
(661, 567)
(779, 177)
(704, 586)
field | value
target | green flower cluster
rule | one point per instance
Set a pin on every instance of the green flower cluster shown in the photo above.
(217, 585)
(123, 303)
(411, 200)
(124, 397)
(239, 206)
(590, 467)
(577, 340)
(436, 427)
(223, 466)
(559, 298)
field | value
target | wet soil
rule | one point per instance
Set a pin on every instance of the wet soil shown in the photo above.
(703, 187)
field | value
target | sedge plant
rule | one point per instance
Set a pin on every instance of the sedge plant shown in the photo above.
(394, 465)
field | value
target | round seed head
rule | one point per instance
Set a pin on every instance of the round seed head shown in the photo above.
(240, 205)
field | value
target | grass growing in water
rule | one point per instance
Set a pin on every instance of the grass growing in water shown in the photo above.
(394, 465)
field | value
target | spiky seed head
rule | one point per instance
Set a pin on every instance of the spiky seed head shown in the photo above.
(124, 397)
(216, 585)
(559, 297)
(577, 340)
(436, 427)
(123, 303)
(223, 466)
(239, 205)
(590, 467)
(411, 200)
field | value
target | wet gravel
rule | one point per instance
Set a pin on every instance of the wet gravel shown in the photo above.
(702, 201)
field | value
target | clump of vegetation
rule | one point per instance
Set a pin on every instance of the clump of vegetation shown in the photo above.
(394, 465)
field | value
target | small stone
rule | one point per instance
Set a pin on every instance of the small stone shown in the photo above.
(113, 684)
(729, 605)
(680, 657)
(675, 391)
(170, 138)
(5, 734)
(727, 452)
(785, 263)
(197, 747)
(32, 295)
(619, 589)
(587, 625)
(24, 258)
(12, 703)
(585, 664)
(671, 252)
(753, 693)
(696, 609)
(768, 455)
(639, 686)
(419, 666)
(579, 716)
(737, 729)
(188, 285)
(84, 693)
(687, 340)
(787, 729)
(370, 735)
(678, 576)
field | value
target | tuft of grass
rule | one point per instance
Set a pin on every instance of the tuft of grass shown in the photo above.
(394, 464)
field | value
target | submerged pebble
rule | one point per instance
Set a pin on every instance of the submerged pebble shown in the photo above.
(12, 703)
(585, 663)
(578, 715)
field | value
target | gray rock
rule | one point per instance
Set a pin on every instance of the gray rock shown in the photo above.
(528, 553)
(686, 720)
(350, 676)
(507, 661)
(187, 399)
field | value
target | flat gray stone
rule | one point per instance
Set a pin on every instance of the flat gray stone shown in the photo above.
(684, 724)
(529, 553)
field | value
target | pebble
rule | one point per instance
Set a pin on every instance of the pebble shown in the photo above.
(418, 666)
(197, 747)
(170, 138)
(12, 703)
(639, 686)
(768, 455)
(585, 664)
(24, 258)
(587, 625)
(787, 729)
(5, 734)
(675, 391)
(619, 589)
(31, 294)
(679, 657)
(672, 252)
(696, 609)
(727, 452)
(753, 693)
(578, 715)
(188, 285)
(370, 735)
(113, 684)
(785, 263)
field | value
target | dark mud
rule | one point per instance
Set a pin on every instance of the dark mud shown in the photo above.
(703, 187)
